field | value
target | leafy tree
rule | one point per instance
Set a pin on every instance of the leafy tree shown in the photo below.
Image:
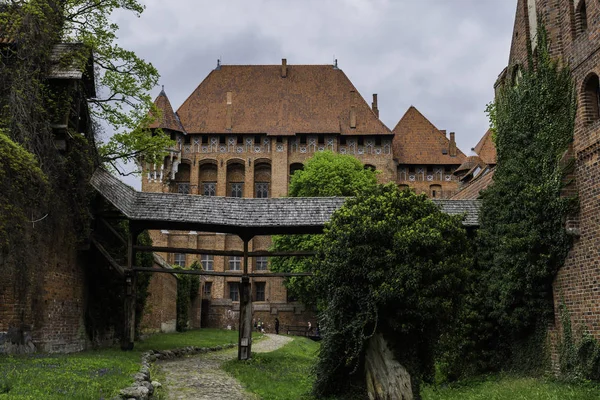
(123, 79)
(391, 262)
(326, 174)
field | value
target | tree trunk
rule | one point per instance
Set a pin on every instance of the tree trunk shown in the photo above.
(386, 378)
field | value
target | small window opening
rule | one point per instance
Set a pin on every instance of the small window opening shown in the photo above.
(377, 141)
(321, 139)
(187, 139)
(592, 98)
(342, 140)
(302, 139)
(581, 18)
(240, 139)
(361, 141)
(256, 139)
(279, 139)
(204, 139)
(222, 139)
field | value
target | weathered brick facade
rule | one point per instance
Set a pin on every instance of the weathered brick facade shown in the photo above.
(246, 129)
(574, 32)
(160, 312)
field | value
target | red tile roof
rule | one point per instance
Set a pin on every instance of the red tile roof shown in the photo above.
(486, 149)
(472, 190)
(168, 119)
(418, 141)
(310, 99)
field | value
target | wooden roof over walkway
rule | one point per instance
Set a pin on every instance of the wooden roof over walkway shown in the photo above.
(242, 216)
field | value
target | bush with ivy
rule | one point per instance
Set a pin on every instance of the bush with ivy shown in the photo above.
(390, 262)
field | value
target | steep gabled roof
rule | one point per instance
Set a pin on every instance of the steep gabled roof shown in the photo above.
(486, 149)
(473, 189)
(310, 99)
(418, 141)
(168, 118)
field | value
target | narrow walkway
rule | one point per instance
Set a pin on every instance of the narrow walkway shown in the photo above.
(200, 377)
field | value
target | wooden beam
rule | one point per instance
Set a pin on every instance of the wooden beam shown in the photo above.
(227, 274)
(111, 261)
(113, 230)
(239, 253)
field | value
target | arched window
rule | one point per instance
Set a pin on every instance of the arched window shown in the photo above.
(591, 100)
(581, 23)
(235, 179)
(262, 180)
(435, 191)
(182, 179)
(295, 167)
(208, 178)
(370, 167)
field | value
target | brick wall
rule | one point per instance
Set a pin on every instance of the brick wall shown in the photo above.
(160, 312)
(42, 302)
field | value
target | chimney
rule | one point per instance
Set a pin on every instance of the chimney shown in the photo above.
(452, 146)
(352, 109)
(374, 105)
(284, 68)
(229, 123)
(444, 132)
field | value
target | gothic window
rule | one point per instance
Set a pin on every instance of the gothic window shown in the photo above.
(183, 188)
(262, 190)
(592, 98)
(235, 263)
(261, 263)
(207, 262)
(209, 188)
(420, 173)
(401, 173)
(581, 22)
(237, 189)
(179, 259)
(259, 291)
(207, 290)
(435, 191)
(234, 291)
(437, 173)
(295, 167)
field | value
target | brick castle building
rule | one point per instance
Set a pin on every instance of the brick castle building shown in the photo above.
(247, 128)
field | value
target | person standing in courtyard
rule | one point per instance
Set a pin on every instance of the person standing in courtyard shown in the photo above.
(276, 326)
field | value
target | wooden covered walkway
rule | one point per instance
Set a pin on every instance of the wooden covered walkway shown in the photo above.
(243, 217)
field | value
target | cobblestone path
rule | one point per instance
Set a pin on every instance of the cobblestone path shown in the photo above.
(200, 377)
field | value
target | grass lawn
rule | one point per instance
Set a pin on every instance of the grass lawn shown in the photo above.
(513, 388)
(283, 374)
(91, 374)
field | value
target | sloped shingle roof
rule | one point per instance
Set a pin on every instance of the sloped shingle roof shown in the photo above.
(310, 99)
(486, 149)
(472, 190)
(229, 214)
(168, 118)
(418, 141)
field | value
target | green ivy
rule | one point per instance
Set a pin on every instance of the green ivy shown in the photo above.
(187, 291)
(522, 241)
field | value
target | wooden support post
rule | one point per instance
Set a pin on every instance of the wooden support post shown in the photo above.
(128, 334)
(245, 332)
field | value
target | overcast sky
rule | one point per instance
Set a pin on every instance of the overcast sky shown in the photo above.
(442, 56)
